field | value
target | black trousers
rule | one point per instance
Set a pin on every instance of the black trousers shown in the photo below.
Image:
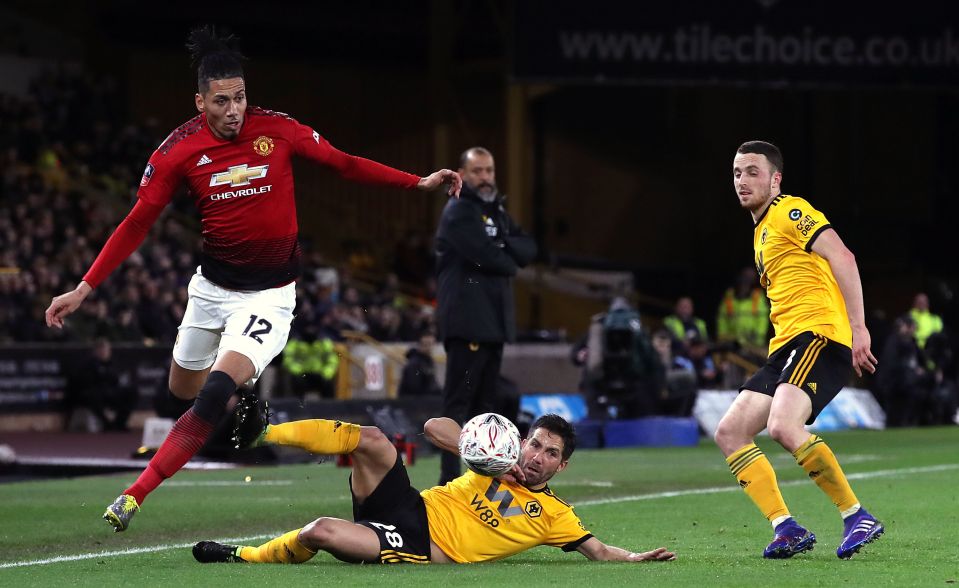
(472, 370)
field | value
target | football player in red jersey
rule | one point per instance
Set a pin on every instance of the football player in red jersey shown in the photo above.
(236, 162)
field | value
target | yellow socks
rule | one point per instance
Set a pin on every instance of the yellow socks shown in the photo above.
(316, 436)
(819, 462)
(284, 549)
(756, 476)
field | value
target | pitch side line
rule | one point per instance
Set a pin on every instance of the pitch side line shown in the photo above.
(735, 488)
(218, 483)
(634, 498)
(131, 551)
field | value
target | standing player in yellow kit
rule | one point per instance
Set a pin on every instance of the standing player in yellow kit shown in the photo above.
(816, 309)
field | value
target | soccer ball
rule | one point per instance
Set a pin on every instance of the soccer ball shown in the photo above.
(489, 444)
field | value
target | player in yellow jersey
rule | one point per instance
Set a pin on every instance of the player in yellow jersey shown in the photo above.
(816, 309)
(471, 519)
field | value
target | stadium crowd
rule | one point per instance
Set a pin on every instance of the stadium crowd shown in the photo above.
(69, 170)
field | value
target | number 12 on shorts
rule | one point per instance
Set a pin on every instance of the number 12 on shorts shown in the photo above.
(267, 327)
(394, 539)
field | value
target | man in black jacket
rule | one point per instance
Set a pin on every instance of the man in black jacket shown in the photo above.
(479, 249)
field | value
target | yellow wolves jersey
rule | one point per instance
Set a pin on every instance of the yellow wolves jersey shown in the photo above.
(475, 518)
(802, 291)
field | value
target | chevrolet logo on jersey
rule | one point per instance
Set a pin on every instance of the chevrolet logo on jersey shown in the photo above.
(238, 175)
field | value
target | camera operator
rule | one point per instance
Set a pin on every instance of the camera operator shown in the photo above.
(622, 372)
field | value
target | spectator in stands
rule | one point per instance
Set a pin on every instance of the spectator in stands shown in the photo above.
(418, 321)
(743, 316)
(384, 323)
(312, 362)
(153, 311)
(683, 325)
(101, 386)
(742, 325)
(413, 260)
(902, 379)
(389, 293)
(48, 227)
(703, 365)
(926, 322)
(127, 327)
(419, 373)
(677, 392)
(944, 398)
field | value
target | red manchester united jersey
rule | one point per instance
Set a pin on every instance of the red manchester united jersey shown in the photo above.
(243, 189)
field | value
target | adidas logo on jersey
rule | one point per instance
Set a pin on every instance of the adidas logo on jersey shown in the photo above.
(812, 386)
(204, 160)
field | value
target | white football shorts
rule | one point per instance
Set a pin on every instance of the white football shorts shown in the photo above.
(254, 324)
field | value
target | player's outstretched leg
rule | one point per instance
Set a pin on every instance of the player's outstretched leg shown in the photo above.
(186, 437)
(287, 548)
(314, 435)
(860, 527)
(344, 540)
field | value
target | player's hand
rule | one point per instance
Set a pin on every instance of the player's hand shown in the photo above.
(65, 304)
(862, 357)
(659, 554)
(438, 178)
(515, 475)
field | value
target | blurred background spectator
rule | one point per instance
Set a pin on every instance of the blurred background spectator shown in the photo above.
(742, 328)
(101, 387)
(419, 373)
(677, 391)
(926, 322)
(684, 326)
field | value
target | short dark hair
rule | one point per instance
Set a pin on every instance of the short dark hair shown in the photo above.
(772, 153)
(464, 156)
(557, 425)
(215, 56)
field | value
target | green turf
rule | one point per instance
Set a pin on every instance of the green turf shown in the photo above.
(718, 535)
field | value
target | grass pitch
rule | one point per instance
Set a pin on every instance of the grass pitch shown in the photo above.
(51, 533)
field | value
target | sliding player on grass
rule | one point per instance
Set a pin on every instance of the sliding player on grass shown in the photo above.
(472, 519)
(816, 309)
